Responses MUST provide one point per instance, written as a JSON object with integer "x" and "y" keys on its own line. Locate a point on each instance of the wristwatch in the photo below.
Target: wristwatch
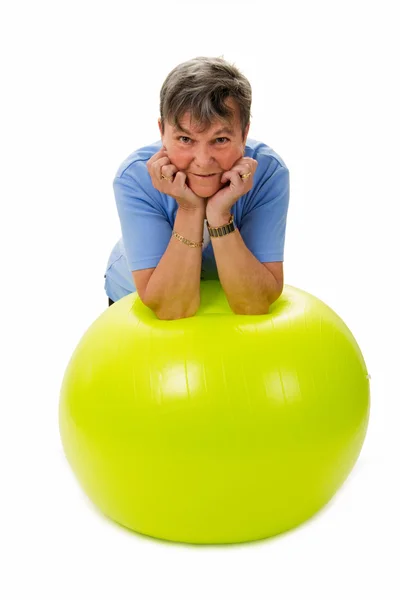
{"x": 222, "y": 230}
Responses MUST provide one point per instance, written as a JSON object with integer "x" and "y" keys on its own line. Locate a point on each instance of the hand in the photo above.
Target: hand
{"x": 218, "y": 207}
{"x": 166, "y": 178}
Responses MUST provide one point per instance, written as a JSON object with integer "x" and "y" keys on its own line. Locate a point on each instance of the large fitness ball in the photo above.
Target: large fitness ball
{"x": 218, "y": 428}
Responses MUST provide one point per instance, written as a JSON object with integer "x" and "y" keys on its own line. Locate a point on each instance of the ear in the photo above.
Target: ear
{"x": 159, "y": 126}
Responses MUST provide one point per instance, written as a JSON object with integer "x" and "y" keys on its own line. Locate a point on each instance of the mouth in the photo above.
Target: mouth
{"x": 204, "y": 176}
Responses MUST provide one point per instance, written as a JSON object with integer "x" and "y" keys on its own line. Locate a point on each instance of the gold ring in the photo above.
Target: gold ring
{"x": 245, "y": 176}
{"x": 167, "y": 178}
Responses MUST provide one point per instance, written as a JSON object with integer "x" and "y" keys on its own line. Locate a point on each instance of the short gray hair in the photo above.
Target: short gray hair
{"x": 201, "y": 86}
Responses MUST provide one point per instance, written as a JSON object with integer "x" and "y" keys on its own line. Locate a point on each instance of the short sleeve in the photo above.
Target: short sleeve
{"x": 145, "y": 227}
{"x": 263, "y": 224}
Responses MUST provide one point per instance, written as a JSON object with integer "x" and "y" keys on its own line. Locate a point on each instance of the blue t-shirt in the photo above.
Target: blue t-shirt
{"x": 147, "y": 217}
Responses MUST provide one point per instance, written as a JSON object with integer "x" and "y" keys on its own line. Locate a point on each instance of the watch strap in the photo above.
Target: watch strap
{"x": 222, "y": 230}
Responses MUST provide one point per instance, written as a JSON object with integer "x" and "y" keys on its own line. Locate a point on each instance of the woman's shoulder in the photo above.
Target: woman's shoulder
{"x": 138, "y": 159}
{"x": 262, "y": 152}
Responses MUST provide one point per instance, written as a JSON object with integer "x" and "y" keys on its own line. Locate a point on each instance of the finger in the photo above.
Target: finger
{"x": 234, "y": 177}
{"x": 155, "y": 168}
{"x": 228, "y": 175}
{"x": 160, "y": 154}
{"x": 180, "y": 187}
{"x": 180, "y": 179}
{"x": 168, "y": 170}
{"x": 244, "y": 170}
{"x": 245, "y": 164}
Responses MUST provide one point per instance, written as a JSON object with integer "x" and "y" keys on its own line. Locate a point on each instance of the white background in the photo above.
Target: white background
{"x": 80, "y": 85}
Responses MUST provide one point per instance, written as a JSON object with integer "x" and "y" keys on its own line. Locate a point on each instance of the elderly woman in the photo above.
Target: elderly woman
{"x": 204, "y": 202}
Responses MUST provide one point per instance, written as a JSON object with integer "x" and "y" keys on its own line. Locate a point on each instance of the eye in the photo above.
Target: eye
{"x": 187, "y": 140}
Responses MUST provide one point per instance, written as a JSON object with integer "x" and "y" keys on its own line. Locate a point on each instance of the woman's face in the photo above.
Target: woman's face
{"x": 205, "y": 156}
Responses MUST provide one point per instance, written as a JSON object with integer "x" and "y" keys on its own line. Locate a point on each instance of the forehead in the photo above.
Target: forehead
{"x": 218, "y": 126}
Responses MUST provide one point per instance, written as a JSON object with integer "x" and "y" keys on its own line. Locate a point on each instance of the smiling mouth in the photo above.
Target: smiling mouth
{"x": 204, "y": 176}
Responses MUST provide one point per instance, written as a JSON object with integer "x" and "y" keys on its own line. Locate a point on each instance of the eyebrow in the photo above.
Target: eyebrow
{"x": 222, "y": 130}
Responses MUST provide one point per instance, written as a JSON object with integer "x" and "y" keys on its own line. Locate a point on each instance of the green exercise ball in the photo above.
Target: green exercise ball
{"x": 218, "y": 428}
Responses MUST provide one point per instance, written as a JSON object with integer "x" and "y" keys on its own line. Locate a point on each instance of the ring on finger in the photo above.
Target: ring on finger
{"x": 167, "y": 178}
{"x": 245, "y": 175}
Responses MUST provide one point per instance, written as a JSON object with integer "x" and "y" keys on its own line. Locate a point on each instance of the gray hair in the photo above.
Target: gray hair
{"x": 201, "y": 86}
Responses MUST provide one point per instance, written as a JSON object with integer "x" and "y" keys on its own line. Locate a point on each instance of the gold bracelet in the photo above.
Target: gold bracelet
{"x": 187, "y": 242}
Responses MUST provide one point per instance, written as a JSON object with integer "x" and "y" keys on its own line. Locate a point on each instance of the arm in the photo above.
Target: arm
{"x": 166, "y": 272}
{"x": 249, "y": 286}
{"x": 173, "y": 290}
{"x": 250, "y": 262}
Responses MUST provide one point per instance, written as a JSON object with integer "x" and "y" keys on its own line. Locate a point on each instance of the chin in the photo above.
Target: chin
{"x": 204, "y": 191}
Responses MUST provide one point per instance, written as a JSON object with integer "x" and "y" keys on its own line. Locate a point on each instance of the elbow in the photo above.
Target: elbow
{"x": 251, "y": 310}
{"x": 173, "y": 314}
{"x": 259, "y": 309}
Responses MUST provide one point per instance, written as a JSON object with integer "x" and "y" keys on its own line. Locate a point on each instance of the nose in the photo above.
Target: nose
{"x": 203, "y": 157}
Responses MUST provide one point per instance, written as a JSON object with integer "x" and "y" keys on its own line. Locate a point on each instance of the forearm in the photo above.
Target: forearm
{"x": 173, "y": 290}
{"x": 248, "y": 285}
